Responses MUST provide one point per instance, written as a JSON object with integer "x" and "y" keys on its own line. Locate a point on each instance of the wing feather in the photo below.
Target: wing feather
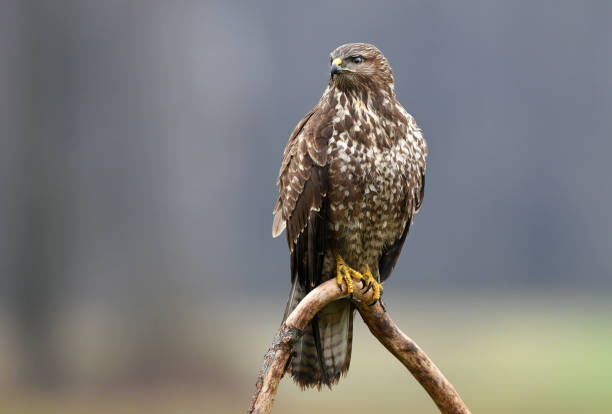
{"x": 390, "y": 254}
{"x": 301, "y": 208}
{"x": 303, "y": 177}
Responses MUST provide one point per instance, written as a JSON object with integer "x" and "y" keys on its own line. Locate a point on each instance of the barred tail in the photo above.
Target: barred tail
{"x": 324, "y": 351}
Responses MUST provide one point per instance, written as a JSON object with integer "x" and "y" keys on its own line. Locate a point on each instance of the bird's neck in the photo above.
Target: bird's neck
{"x": 370, "y": 98}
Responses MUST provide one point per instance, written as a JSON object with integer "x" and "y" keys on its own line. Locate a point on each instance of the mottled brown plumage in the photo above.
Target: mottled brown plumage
{"x": 351, "y": 178}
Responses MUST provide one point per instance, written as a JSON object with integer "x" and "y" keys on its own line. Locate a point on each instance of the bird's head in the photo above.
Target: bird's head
{"x": 358, "y": 65}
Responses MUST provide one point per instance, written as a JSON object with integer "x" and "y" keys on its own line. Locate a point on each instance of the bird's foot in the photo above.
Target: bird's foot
{"x": 346, "y": 273}
{"x": 369, "y": 282}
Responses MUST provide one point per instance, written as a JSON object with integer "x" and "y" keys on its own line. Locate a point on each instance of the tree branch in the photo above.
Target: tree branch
{"x": 382, "y": 327}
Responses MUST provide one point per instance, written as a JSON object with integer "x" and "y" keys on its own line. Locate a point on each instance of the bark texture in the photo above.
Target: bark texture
{"x": 382, "y": 327}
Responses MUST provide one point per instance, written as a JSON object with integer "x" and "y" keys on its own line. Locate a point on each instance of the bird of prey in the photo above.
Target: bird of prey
{"x": 351, "y": 179}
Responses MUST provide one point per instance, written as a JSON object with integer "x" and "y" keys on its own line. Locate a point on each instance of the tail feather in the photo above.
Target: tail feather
{"x": 323, "y": 353}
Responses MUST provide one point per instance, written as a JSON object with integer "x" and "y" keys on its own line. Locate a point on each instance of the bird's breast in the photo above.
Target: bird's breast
{"x": 367, "y": 193}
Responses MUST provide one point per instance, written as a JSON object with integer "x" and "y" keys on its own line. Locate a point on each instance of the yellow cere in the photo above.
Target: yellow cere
{"x": 337, "y": 62}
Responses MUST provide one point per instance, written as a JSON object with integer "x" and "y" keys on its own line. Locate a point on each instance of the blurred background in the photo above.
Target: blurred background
{"x": 139, "y": 147}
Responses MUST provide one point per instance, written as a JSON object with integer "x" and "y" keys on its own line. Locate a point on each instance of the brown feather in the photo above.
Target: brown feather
{"x": 351, "y": 179}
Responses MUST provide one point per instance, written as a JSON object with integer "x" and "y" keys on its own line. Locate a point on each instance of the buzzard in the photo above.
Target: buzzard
{"x": 351, "y": 179}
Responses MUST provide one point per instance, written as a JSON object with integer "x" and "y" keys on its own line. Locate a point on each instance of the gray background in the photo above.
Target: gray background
{"x": 141, "y": 140}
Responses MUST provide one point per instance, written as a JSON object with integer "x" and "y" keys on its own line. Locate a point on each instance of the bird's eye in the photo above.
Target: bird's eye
{"x": 357, "y": 59}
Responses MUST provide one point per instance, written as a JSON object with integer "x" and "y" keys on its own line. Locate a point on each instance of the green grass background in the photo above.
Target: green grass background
{"x": 517, "y": 353}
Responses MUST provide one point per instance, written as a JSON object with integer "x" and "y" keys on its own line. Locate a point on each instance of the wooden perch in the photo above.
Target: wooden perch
{"x": 382, "y": 327}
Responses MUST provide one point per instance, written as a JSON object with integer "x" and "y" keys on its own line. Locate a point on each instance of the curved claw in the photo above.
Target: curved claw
{"x": 373, "y": 303}
{"x": 344, "y": 274}
{"x": 363, "y": 281}
{"x": 369, "y": 287}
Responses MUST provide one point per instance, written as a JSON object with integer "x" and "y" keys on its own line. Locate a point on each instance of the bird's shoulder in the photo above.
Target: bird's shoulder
{"x": 412, "y": 133}
{"x": 302, "y": 178}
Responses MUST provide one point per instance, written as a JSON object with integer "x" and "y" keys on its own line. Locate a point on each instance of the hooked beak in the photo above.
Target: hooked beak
{"x": 336, "y": 67}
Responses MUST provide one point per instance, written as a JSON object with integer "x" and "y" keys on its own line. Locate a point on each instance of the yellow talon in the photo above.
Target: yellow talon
{"x": 345, "y": 273}
{"x": 369, "y": 281}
